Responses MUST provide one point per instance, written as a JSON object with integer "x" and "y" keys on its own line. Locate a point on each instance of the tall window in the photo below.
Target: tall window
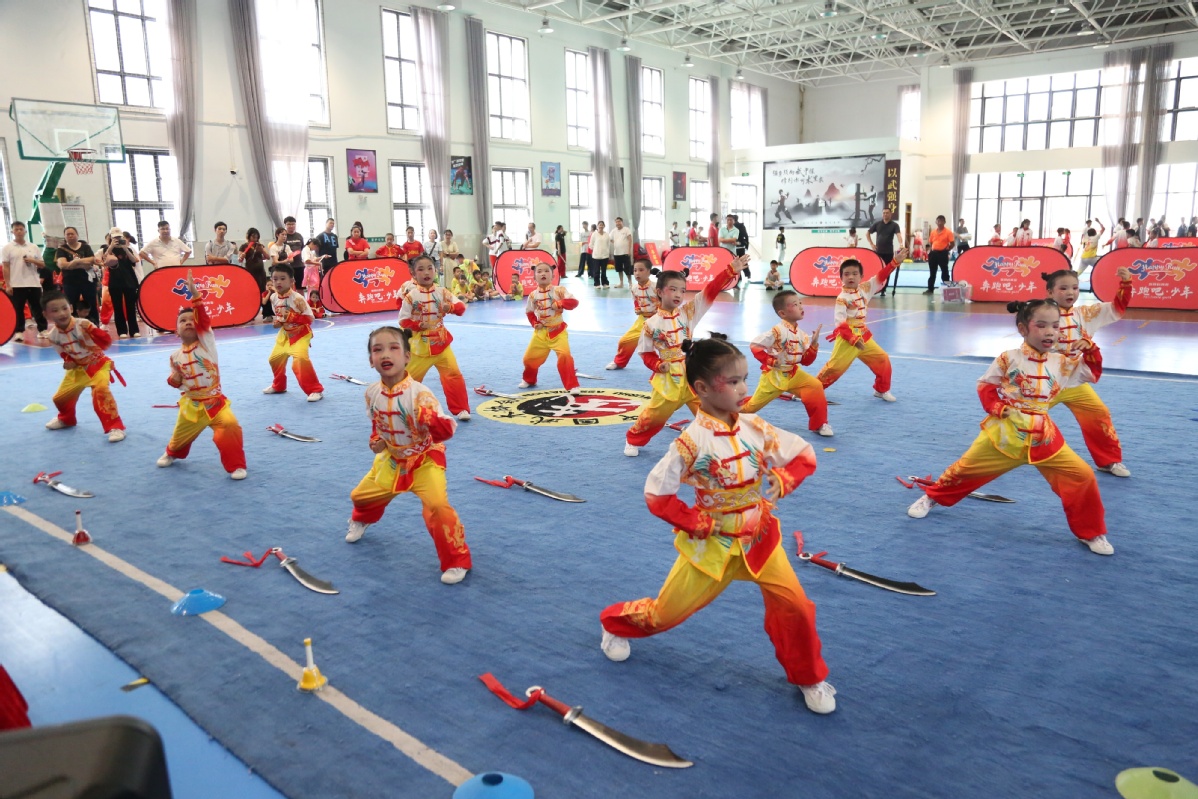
{"x": 409, "y": 199}
{"x": 744, "y": 205}
{"x": 1181, "y": 102}
{"x": 580, "y": 109}
{"x": 700, "y": 119}
{"x": 143, "y": 192}
{"x": 1045, "y": 112}
{"x": 507, "y": 86}
{"x": 653, "y": 116}
{"x": 908, "y": 123}
{"x": 399, "y": 71}
{"x": 701, "y": 206}
{"x": 1175, "y": 194}
{"x": 312, "y": 70}
{"x": 318, "y": 196}
{"x": 131, "y": 50}
{"x": 6, "y": 212}
{"x": 1052, "y": 199}
{"x": 747, "y": 111}
{"x": 653, "y": 209}
{"x": 510, "y": 198}
{"x": 582, "y": 200}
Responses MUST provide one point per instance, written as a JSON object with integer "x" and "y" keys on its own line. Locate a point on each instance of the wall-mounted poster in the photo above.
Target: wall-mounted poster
{"x": 679, "y": 186}
{"x": 825, "y": 192}
{"x": 461, "y": 175}
{"x": 551, "y": 179}
{"x": 363, "y": 171}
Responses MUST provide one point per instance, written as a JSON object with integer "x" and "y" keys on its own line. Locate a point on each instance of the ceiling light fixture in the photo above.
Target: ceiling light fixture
{"x": 880, "y": 35}
{"x": 829, "y": 9}
{"x": 446, "y": 7}
{"x": 623, "y": 48}
{"x": 740, "y": 74}
{"x": 1060, "y": 8}
{"x": 1101, "y": 46}
{"x": 545, "y": 26}
{"x": 1086, "y": 32}
{"x": 689, "y": 62}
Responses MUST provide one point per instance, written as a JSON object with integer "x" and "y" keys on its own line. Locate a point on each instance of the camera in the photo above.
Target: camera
{"x": 120, "y": 240}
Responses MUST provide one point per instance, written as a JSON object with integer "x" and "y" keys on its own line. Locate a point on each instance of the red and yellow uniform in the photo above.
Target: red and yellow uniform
{"x": 645, "y": 302}
{"x": 728, "y": 535}
{"x": 1017, "y": 391}
{"x": 388, "y": 251}
{"x": 543, "y": 307}
{"x": 851, "y": 330}
{"x": 81, "y": 347}
{"x": 422, "y": 310}
{"x": 1098, "y": 431}
{"x": 293, "y": 341}
{"x": 411, "y": 249}
{"x": 660, "y": 348}
{"x": 409, "y": 420}
{"x": 782, "y": 350}
{"x": 194, "y": 369}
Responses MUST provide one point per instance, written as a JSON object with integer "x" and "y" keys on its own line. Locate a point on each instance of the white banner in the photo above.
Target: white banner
{"x": 825, "y": 192}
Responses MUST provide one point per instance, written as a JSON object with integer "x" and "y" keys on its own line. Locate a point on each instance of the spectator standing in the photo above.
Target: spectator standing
{"x": 388, "y": 249}
{"x": 713, "y": 231}
{"x": 600, "y": 248}
{"x": 121, "y": 259}
{"x": 962, "y": 237}
{"x": 532, "y": 239}
{"x": 675, "y": 236}
{"x": 21, "y": 261}
{"x": 410, "y": 247}
{"x": 295, "y": 243}
{"x": 253, "y": 256}
{"x": 559, "y": 247}
{"x": 432, "y": 248}
{"x": 692, "y": 234}
{"x": 77, "y": 263}
{"x": 728, "y": 235}
{"x": 219, "y": 250}
{"x": 1023, "y": 235}
{"x": 166, "y": 250}
{"x": 940, "y": 241}
{"x": 886, "y": 231}
{"x": 621, "y": 251}
{"x": 278, "y": 251}
{"x": 326, "y": 243}
{"x": 742, "y": 244}
{"x": 357, "y": 248}
{"x": 584, "y": 250}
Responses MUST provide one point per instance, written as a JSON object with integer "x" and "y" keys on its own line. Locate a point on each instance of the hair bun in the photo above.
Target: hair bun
{"x": 687, "y": 344}
{"x": 1013, "y": 307}
{"x": 686, "y": 272}
{"x": 1045, "y": 275}
{"x": 654, "y": 271}
{"x": 717, "y": 336}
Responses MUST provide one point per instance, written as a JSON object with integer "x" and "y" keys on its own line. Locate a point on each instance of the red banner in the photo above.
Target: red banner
{"x": 1179, "y": 241}
{"x": 815, "y": 271}
{"x": 8, "y": 319}
{"x": 326, "y": 296}
{"x": 654, "y": 255}
{"x": 523, "y": 263}
{"x": 229, "y": 292}
{"x": 1049, "y": 243}
{"x": 1159, "y": 279}
{"x": 365, "y": 285}
{"x": 1003, "y": 274}
{"x": 705, "y": 264}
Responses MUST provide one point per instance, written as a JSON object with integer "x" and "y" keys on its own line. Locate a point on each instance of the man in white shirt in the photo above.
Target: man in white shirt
{"x": 495, "y": 243}
{"x": 220, "y": 250}
{"x": 621, "y": 251}
{"x": 532, "y": 239}
{"x": 164, "y": 250}
{"x": 21, "y": 260}
{"x": 600, "y": 244}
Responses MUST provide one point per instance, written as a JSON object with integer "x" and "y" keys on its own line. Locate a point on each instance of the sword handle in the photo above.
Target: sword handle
{"x": 561, "y": 708}
{"x": 513, "y": 481}
{"x": 818, "y": 560}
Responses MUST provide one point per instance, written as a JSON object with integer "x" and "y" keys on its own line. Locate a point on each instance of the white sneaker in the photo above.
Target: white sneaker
{"x": 115, "y": 436}
{"x": 356, "y": 531}
{"x": 272, "y": 390}
{"x": 237, "y": 474}
{"x": 920, "y": 507}
{"x": 1117, "y": 469}
{"x": 615, "y": 647}
{"x": 574, "y": 392}
{"x": 123, "y": 335}
{"x": 884, "y": 395}
{"x": 611, "y": 367}
{"x": 315, "y": 396}
{"x": 453, "y": 576}
{"x": 44, "y": 334}
{"x": 825, "y": 430}
{"x": 820, "y": 698}
{"x": 165, "y": 461}
{"x": 1099, "y": 545}
{"x": 631, "y": 451}
{"x": 55, "y": 424}
{"x": 137, "y": 335}
{"x": 464, "y": 416}
{"x": 525, "y": 384}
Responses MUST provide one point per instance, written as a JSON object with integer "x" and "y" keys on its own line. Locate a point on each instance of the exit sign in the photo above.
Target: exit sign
{"x": 744, "y": 174}
{"x": 830, "y": 230}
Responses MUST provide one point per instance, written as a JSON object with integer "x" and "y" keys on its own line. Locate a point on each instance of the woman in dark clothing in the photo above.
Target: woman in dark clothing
{"x": 121, "y": 259}
{"x": 252, "y": 257}
{"x": 559, "y": 243}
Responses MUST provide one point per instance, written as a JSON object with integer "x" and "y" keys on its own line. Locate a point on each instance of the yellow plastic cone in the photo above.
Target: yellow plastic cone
{"x": 311, "y": 679}
{"x": 1154, "y": 783}
{"x": 33, "y": 408}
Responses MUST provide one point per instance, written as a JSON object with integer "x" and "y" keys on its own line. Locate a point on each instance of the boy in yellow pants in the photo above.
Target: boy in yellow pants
{"x": 293, "y": 316}
{"x": 782, "y": 350}
{"x": 544, "y": 307}
{"x": 422, "y": 310}
{"x": 81, "y": 346}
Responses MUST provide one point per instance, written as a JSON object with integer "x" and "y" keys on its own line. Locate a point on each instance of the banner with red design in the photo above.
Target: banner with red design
{"x": 1003, "y": 274}
{"x": 1178, "y": 241}
{"x": 8, "y": 318}
{"x": 653, "y": 254}
{"x": 705, "y": 264}
{"x": 815, "y": 271}
{"x": 1159, "y": 278}
{"x": 366, "y": 285}
{"x": 522, "y": 263}
{"x": 326, "y": 296}
{"x": 1049, "y": 243}
{"x": 229, "y": 292}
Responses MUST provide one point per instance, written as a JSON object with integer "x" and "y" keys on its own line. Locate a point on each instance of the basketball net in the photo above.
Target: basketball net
{"x": 81, "y": 158}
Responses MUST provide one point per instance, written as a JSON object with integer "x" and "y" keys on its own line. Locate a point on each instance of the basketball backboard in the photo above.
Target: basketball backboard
{"x": 46, "y": 131}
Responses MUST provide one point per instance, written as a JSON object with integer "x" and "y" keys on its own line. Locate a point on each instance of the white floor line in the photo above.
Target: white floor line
{"x": 418, "y": 752}
{"x": 1105, "y": 376}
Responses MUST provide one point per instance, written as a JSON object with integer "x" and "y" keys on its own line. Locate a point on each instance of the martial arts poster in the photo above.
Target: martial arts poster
{"x": 367, "y": 286}
{"x": 229, "y": 292}
{"x": 825, "y": 192}
{"x": 705, "y": 264}
{"x": 522, "y": 263}
{"x": 461, "y": 175}
{"x": 679, "y": 187}
{"x": 8, "y": 318}
{"x": 1003, "y": 274}
{"x": 815, "y": 271}
{"x": 551, "y": 179}
{"x": 1159, "y": 278}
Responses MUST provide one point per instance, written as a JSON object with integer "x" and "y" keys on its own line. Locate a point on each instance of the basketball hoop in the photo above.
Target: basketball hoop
{"x": 81, "y": 157}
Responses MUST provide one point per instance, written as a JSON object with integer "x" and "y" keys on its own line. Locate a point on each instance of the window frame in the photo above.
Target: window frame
{"x": 1016, "y": 109}
{"x": 7, "y": 212}
{"x": 998, "y": 184}
{"x": 499, "y": 210}
{"x": 422, "y": 209}
{"x": 578, "y": 99}
{"x": 699, "y": 118}
{"x": 650, "y": 212}
{"x": 159, "y": 87}
{"x": 1173, "y": 110}
{"x": 404, "y": 91}
{"x": 316, "y": 224}
{"x": 322, "y": 71}
{"x": 755, "y": 134}
{"x": 653, "y": 111}
{"x": 576, "y": 210}
{"x": 498, "y": 80}
{"x": 904, "y": 120}
{"x": 694, "y": 208}
{"x": 745, "y": 212}
{"x": 138, "y": 205}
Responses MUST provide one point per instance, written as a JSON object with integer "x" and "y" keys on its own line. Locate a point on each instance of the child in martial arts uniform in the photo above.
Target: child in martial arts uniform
{"x": 645, "y": 303}
{"x": 661, "y": 350}
{"x": 195, "y": 370}
{"x": 407, "y": 431}
{"x": 543, "y": 307}
{"x": 783, "y": 350}
{"x": 1017, "y": 391}
{"x": 293, "y": 317}
{"x": 81, "y": 346}
{"x": 739, "y": 466}
{"x": 853, "y": 339}
{"x": 1079, "y": 324}
{"x": 422, "y": 309}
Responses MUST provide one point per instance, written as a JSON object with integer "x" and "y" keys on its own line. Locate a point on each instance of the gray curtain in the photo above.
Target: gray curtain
{"x": 480, "y": 124}
{"x": 636, "y": 164}
{"x": 182, "y": 119}
{"x": 1156, "y": 74}
{"x": 432, "y": 31}
{"x": 278, "y": 142}
{"x": 1120, "y": 82}
{"x": 713, "y": 170}
{"x": 962, "y": 83}
{"x": 609, "y": 184}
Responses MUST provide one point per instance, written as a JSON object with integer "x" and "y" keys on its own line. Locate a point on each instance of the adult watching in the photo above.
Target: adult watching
{"x": 124, "y": 281}
{"x": 219, "y": 250}
{"x": 166, "y": 250}
{"x": 77, "y": 262}
{"x": 886, "y": 231}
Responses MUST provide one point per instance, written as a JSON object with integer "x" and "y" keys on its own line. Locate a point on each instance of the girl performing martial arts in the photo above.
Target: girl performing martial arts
{"x": 544, "y": 307}
{"x": 645, "y": 303}
{"x": 739, "y": 466}
{"x": 423, "y": 307}
{"x": 783, "y": 350}
{"x": 1016, "y": 392}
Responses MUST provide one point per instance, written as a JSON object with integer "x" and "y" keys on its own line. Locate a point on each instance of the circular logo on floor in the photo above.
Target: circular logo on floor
{"x": 559, "y": 409}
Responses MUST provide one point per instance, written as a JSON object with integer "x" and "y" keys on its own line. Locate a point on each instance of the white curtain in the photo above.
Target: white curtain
{"x": 636, "y": 165}
{"x": 713, "y": 170}
{"x": 182, "y": 114}
{"x": 480, "y": 121}
{"x": 609, "y": 184}
{"x": 1121, "y": 79}
{"x": 1156, "y": 83}
{"x": 432, "y": 30}
{"x": 962, "y": 84}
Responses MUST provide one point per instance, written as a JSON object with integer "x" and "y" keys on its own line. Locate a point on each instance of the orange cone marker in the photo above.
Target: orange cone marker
{"x": 311, "y": 680}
